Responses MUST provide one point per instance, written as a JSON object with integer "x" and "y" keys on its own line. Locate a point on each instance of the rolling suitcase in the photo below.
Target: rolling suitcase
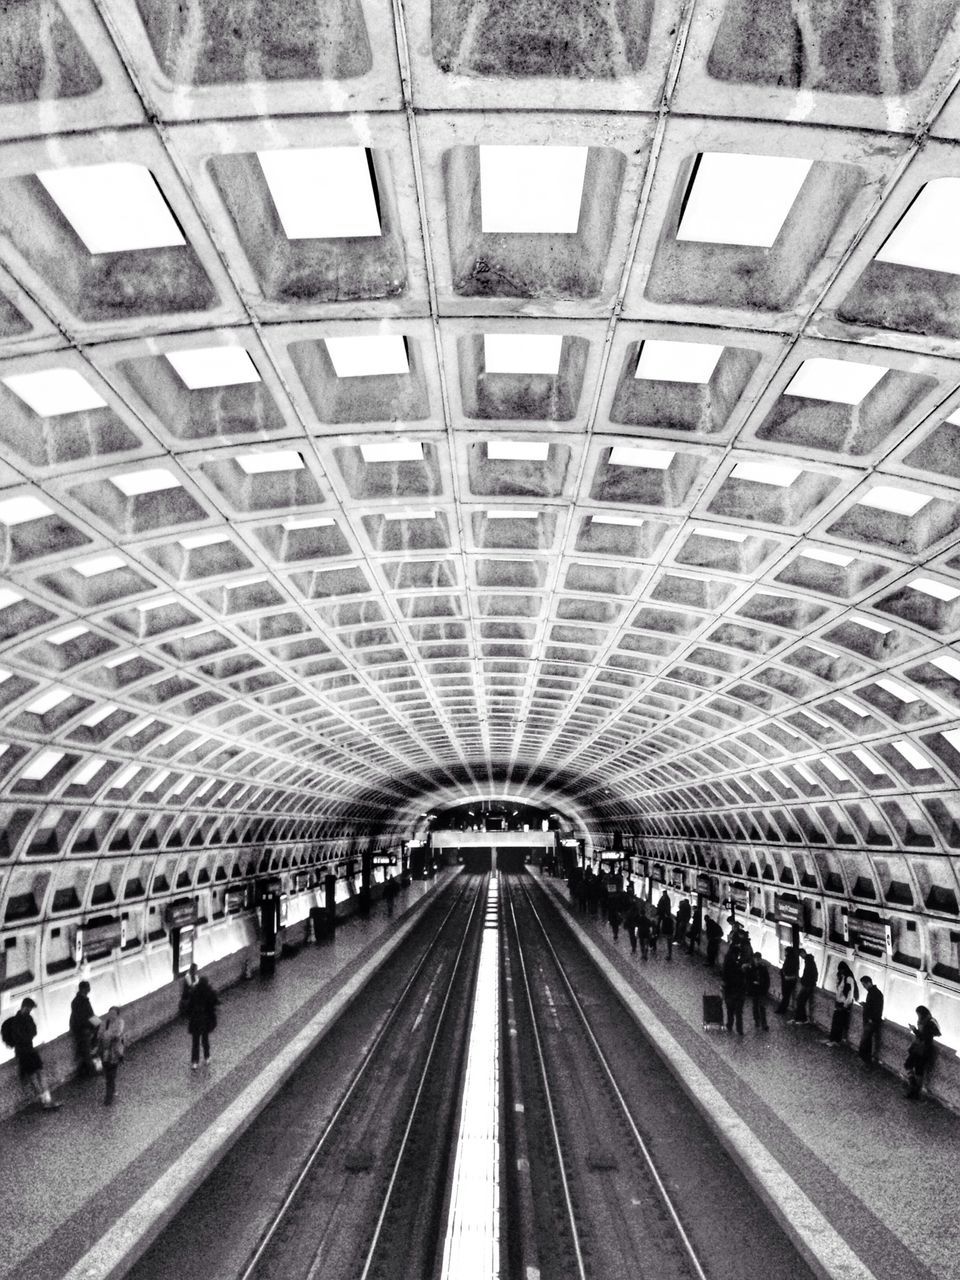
{"x": 712, "y": 1012}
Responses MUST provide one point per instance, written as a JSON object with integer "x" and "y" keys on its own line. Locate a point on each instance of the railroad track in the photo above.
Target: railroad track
{"x": 600, "y": 1206}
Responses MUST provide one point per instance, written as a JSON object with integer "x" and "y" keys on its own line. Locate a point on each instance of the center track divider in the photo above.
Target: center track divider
{"x": 667, "y": 1202}
{"x": 262, "y": 1249}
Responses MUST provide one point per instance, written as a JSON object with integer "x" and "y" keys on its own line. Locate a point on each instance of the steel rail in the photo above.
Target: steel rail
{"x": 281, "y": 1213}
{"x": 545, "y": 1079}
{"x": 411, "y": 1118}
{"x": 611, "y": 1079}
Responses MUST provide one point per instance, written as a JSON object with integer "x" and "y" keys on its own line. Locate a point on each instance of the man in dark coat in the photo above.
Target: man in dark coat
{"x": 83, "y": 1028}
{"x": 696, "y": 929}
{"x": 808, "y": 985}
{"x": 714, "y": 938}
{"x": 734, "y": 986}
{"x": 22, "y": 1032}
{"x": 789, "y": 973}
{"x": 682, "y": 921}
{"x": 200, "y": 1006}
{"x": 872, "y": 1021}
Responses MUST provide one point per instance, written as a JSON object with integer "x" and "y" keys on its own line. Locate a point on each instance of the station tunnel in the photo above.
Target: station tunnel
{"x": 474, "y": 443}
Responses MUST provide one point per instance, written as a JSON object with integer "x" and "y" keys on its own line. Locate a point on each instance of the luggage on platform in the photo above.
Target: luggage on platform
{"x": 712, "y": 1012}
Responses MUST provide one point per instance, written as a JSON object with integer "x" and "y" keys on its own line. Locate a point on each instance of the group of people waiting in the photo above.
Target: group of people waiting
{"x": 744, "y": 974}
{"x": 100, "y": 1043}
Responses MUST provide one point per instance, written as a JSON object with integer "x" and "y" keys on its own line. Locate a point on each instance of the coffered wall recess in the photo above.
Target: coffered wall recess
{"x": 398, "y": 403}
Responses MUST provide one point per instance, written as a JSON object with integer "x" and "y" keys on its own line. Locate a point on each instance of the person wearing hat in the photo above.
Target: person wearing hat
{"x": 20, "y": 1032}
{"x": 83, "y": 1027}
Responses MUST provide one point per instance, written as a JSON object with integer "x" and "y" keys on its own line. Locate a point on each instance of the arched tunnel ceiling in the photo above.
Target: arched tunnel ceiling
{"x": 647, "y": 577}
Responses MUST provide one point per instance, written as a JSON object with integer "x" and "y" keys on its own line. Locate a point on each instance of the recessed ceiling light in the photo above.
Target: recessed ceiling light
{"x": 721, "y": 535}
{"x": 827, "y": 557}
{"x": 157, "y": 602}
{"x": 522, "y": 353}
{"x": 531, "y": 189}
{"x": 87, "y": 771}
{"x": 926, "y": 235}
{"x": 948, "y": 664}
{"x": 829, "y": 763}
{"x": 51, "y": 392}
{"x": 113, "y": 208}
{"x": 213, "y": 367}
{"x": 158, "y": 779}
{"x": 154, "y": 480}
{"x": 851, "y": 706}
{"x": 902, "y": 502}
{"x": 871, "y": 624}
{"x": 953, "y": 737}
{"x": 99, "y": 715}
{"x": 22, "y": 510}
{"x": 930, "y": 587}
{"x": 41, "y": 765}
{"x": 613, "y": 518}
{"x": 779, "y": 474}
{"x": 738, "y": 199}
{"x": 414, "y": 514}
{"x": 867, "y": 760}
{"x": 955, "y": 418}
{"x": 517, "y": 451}
{"x": 839, "y": 381}
{"x": 805, "y": 773}
{"x": 51, "y": 698}
{"x": 368, "y": 355}
{"x": 118, "y": 660}
{"x": 98, "y": 564}
{"x": 68, "y": 634}
{"x": 910, "y": 753}
{"x": 308, "y": 522}
{"x": 393, "y": 451}
{"x": 662, "y": 361}
{"x": 322, "y": 193}
{"x": 257, "y": 464}
{"x": 196, "y": 540}
{"x": 899, "y": 691}
{"x": 124, "y": 777}
{"x": 623, "y": 455}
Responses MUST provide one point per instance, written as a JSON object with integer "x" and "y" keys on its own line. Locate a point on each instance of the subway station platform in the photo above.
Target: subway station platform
{"x": 863, "y": 1179}
{"x": 85, "y": 1187}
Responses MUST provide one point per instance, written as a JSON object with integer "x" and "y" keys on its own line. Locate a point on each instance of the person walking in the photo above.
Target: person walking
{"x": 758, "y": 988}
{"x": 113, "y": 1046}
{"x": 682, "y": 922}
{"x": 18, "y": 1033}
{"x": 390, "y": 894}
{"x": 734, "y": 987}
{"x": 808, "y": 985}
{"x": 714, "y": 938}
{"x": 631, "y": 921}
{"x": 872, "y": 1021}
{"x": 920, "y": 1055}
{"x": 695, "y": 930}
{"x": 846, "y": 993}
{"x": 644, "y": 930}
{"x": 83, "y": 1028}
{"x": 667, "y": 930}
{"x": 201, "y": 1011}
{"x": 789, "y": 975}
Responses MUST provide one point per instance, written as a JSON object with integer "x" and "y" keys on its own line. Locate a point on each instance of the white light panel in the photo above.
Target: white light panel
{"x": 68, "y": 634}
{"x": 49, "y": 699}
{"x": 721, "y": 535}
{"x": 308, "y": 522}
{"x": 870, "y": 623}
{"x": 738, "y": 199}
{"x": 531, "y": 189}
{"x": 157, "y": 602}
{"x": 22, "y": 510}
{"x": 851, "y": 706}
{"x": 517, "y": 451}
{"x": 926, "y": 235}
{"x": 830, "y": 764}
{"x": 392, "y": 451}
{"x": 948, "y": 664}
{"x": 204, "y": 367}
{"x": 930, "y": 587}
{"x": 322, "y": 193}
{"x": 897, "y": 690}
{"x": 96, "y": 565}
{"x": 953, "y": 737}
{"x": 196, "y": 540}
{"x": 125, "y": 776}
{"x": 779, "y": 474}
{"x": 155, "y": 479}
{"x": 662, "y": 361}
{"x": 417, "y": 513}
{"x": 868, "y": 762}
{"x": 258, "y": 464}
{"x": 52, "y": 392}
{"x": 87, "y": 771}
{"x": 41, "y": 765}
{"x": 839, "y": 381}
{"x": 99, "y": 715}
{"x": 901, "y": 502}
{"x": 113, "y": 208}
{"x": 522, "y": 353}
{"x": 8, "y": 597}
{"x": 613, "y": 518}
{"x": 826, "y": 557}
{"x": 512, "y": 513}
{"x": 624, "y": 455}
{"x": 910, "y": 753}
{"x": 806, "y": 774}
{"x": 368, "y": 355}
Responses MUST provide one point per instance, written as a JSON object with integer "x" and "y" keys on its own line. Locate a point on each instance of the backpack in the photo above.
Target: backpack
{"x": 8, "y": 1031}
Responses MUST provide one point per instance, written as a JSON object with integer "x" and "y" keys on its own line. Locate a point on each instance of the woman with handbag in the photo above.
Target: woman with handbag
{"x": 112, "y": 1045}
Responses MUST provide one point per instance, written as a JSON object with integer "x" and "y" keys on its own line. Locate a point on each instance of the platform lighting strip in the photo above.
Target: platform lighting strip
{"x": 471, "y": 1249}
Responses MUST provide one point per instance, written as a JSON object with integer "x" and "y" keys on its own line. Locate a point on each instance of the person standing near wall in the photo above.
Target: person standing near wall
{"x": 872, "y": 1021}
{"x": 789, "y": 974}
{"x": 112, "y": 1045}
{"x": 201, "y": 1010}
{"x": 83, "y": 1028}
{"x": 847, "y": 992}
{"x": 19, "y": 1032}
{"x": 808, "y": 985}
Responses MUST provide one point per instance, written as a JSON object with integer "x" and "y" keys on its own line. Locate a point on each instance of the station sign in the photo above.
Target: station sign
{"x": 738, "y": 896}
{"x": 789, "y": 909}
{"x": 99, "y": 939}
{"x": 870, "y": 934}
{"x": 678, "y": 878}
{"x": 704, "y": 884}
{"x": 181, "y": 912}
{"x": 235, "y": 900}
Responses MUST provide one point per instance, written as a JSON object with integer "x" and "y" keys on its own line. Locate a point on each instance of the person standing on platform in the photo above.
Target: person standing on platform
{"x": 630, "y": 921}
{"x": 613, "y": 913}
{"x": 682, "y": 922}
{"x": 83, "y": 1028}
{"x": 113, "y": 1045}
{"x": 201, "y": 1011}
{"x": 390, "y": 894}
{"x": 667, "y": 930}
{"x": 808, "y": 985}
{"x": 714, "y": 938}
{"x": 758, "y": 988}
{"x": 920, "y": 1055}
{"x": 644, "y": 929}
{"x": 734, "y": 987}
{"x": 789, "y": 974}
{"x": 847, "y": 992}
{"x": 19, "y": 1032}
{"x": 872, "y": 1021}
{"x": 696, "y": 929}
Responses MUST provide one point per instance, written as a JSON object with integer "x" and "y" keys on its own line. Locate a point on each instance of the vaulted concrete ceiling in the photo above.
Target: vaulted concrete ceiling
{"x": 697, "y": 578}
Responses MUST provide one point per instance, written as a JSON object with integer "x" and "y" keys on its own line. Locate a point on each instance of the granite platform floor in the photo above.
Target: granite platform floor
{"x": 67, "y": 1178}
{"x": 880, "y": 1169}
